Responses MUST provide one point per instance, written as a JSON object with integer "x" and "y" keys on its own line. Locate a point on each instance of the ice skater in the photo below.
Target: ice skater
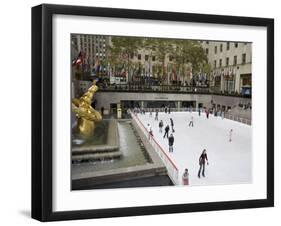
{"x": 185, "y": 177}
{"x": 167, "y": 128}
{"x": 171, "y": 142}
{"x": 222, "y": 115}
{"x": 161, "y": 126}
{"x": 207, "y": 114}
{"x": 150, "y": 113}
{"x": 150, "y": 133}
{"x": 191, "y": 121}
{"x": 202, "y": 161}
{"x": 230, "y": 135}
{"x": 199, "y": 111}
{"x": 156, "y": 115}
{"x": 148, "y": 128}
{"x": 172, "y": 125}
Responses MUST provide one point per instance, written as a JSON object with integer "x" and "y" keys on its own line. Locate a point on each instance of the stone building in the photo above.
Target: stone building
{"x": 231, "y": 64}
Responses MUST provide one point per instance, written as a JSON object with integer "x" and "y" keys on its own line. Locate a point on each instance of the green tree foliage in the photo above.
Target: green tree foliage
{"x": 186, "y": 54}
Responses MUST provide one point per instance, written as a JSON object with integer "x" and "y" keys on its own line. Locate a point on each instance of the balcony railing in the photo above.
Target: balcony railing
{"x": 168, "y": 89}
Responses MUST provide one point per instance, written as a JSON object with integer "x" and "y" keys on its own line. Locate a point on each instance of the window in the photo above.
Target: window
{"x": 146, "y": 57}
{"x": 216, "y": 49}
{"x": 153, "y": 58}
{"x": 220, "y": 62}
{"x": 243, "y": 58}
{"x": 236, "y": 44}
{"x": 227, "y": 61}
{"x": 220, "y": 47}
{"x": 207, "y": 42}
{"x": 215, "y": 63}
{"x": 131, "y": 55}
{"x": 207, "y": 51}
{"x": 235, "y": 60}
{"x": 139, "y": 56}
{"x": 227, "y": 46}
{"x": 170, "y": 58}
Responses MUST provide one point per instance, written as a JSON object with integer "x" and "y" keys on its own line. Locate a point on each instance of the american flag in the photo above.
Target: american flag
{"x": 78, "y": 60}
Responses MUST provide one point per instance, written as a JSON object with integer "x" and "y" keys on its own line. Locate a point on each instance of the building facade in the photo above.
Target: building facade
{"x": 94, "y": 46}
{"x": 231, "y": 64}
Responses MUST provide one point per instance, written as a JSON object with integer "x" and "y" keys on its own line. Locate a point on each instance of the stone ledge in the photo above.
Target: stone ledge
{"x": 97, "y": 156}
{"x": 109, "y": 150}
{"x": 89, "y": 179}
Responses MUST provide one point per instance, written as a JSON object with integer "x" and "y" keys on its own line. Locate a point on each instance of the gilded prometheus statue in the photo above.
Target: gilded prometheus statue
{"x": 86, "y": 115}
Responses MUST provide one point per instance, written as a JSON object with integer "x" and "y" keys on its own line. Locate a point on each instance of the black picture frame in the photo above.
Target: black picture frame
{"x": 42, "y": 107}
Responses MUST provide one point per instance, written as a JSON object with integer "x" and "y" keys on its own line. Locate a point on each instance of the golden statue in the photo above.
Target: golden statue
{"x": 86, "y": 115}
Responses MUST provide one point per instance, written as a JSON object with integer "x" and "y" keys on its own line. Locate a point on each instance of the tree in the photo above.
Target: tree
{"x": 161, "y": 48}
{"x": 121, "y": 51}
{"x": 189, "y": 53}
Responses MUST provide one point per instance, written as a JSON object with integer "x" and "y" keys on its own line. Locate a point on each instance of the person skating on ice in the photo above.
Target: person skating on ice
{"x": 161, "y": 126}
{"x": 150, "y": 133}
{"x": 171, "y": 140}
{"x": 185, "y": 177}
{"x": 156, "y": 115}
{"x": 172, "y": 125}
{"x": 150, "y": 113}
{"x": 191, "y": 121}
{"x": 148, "y": 128}
{"x": 230, "y": 135}
{"x": 202, "y": 161}
{"x": 207, "y": 113}
{"x": 222, "y": 115}
{"x": 167, "y": 128}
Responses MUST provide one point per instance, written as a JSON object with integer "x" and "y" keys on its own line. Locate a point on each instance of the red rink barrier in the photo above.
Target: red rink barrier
{"x": 168, "y": 162}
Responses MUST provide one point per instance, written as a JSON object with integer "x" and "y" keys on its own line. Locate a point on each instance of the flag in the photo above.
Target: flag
{"x": 78, "y": 60}
{"x": 97, "y": 65}
{"x": 174, "y": 78}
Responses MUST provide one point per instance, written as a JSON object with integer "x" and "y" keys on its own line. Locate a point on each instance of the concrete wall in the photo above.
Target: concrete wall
{"x": 230, "y": 101}
{"x": 106, "y": 98}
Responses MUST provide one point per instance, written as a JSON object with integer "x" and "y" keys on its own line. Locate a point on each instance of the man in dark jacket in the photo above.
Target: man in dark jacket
{"x": 167, "y": 128}
{"x": 202, "y": 161}
{"x": 161, "y": 126}
{"x": 172, "y": 125}
{"x": 171, "y": 142}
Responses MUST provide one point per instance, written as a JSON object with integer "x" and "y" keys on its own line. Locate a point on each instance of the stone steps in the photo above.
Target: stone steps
{"x": 94, "y": 149}
{"x": 97, "y": 156}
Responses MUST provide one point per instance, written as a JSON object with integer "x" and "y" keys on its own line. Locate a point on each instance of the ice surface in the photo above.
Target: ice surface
{"x": 229, "y": 162}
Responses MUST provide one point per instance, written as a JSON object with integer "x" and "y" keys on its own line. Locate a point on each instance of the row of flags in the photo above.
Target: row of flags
{"x": 83, "y": 61}
{"x": 226, "y": 72}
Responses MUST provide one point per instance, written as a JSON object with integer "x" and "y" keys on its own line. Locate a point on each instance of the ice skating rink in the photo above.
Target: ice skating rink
{"x": 229, "y": 162}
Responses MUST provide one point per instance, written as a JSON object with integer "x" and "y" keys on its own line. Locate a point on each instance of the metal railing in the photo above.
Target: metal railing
{"x": 171, "y": 167}
{"x": 238, "y": 119}
{"x": 226, "y": 115}
{"x": 167, "y": 89}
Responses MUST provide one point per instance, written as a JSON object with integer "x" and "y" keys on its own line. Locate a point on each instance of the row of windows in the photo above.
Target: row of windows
{"x": 146, "y": 57}
{"x": 227, "y": 46}
{"x": 227, "y": 61}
